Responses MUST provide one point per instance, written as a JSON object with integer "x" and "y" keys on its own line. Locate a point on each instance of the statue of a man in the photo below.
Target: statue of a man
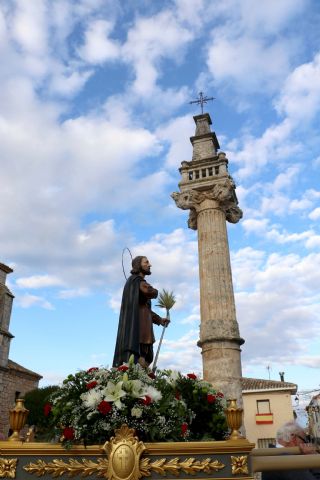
{"x": 135, "y": 330}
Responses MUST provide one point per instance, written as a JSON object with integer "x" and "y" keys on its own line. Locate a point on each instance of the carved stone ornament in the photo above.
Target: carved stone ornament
{"x": 193, "y": 219}
{"x": 239, "y": 465}
{"x": 188, "y": 199}
{"x": 222, "y": 191}
{"x": 124, "y": 452}
{"x": 233, "y": 214}
{"x": 8, "y": 467}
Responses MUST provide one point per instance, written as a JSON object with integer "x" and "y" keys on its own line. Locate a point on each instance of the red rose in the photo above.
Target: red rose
{"x": 92, "y": 369}
{"x": 177, "y": 395}
{"x": 47, "y": 409}
{"x": 184, "y": 428}
{"x": 151, "y": 375}
{"x": 220, "y": 395}
{"x": 104, "y": 407}
{"x": 211, "y": 398}
{"x": 146, "y": 400}
{"x": 192, "y": 376}
{"x": 68, "y": 433}
{"x": 91, "y": 385}
{"x": 123, "y": 368}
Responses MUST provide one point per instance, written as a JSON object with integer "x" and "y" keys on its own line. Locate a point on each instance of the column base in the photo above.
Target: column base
{"x": 221, "y": 358}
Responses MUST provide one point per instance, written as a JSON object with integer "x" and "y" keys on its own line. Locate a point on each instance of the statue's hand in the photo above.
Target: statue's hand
{"x": 165, "y": 322}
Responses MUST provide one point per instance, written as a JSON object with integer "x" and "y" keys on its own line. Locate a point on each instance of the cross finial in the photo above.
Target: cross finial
{"x": 202, "y": 100}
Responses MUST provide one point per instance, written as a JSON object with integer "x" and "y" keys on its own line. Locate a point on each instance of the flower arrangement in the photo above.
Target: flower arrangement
{"x": 166, "y": 406}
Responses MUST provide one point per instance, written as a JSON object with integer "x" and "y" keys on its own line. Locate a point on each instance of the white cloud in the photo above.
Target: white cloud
{"x": 74, "y": 293}
{"x": 150, "y": 40}
{"x": 276, "y": 293}
{"x": 247, "y": 63}
{"x": 313, "y": 241}
{"x": 315, "y": 214}
{"x": 300, "y": 97}
{"x": 68, "y": 81}
{"x": 181, "y": 354}
{"x": 176, "y": 132}
{"x": 27, "y": 301}
{"x": 274, "y": 144}
{"x": 29, "y": 26}
{"x": 98, "y": 47}
{"x": 255, "y": 225}
{"x": 39, "y": 281}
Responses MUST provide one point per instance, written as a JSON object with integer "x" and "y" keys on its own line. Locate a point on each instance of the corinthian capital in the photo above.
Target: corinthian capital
{"x": 233, "y": 213}
{"x": 188, "y": 199}
{"x": 222, "y": 191}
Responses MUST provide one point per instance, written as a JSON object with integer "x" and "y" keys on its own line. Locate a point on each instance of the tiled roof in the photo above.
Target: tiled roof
{"x": 262, "y": 384}
{"x": 5, "y": 268}
{"x": 19, "y": 368}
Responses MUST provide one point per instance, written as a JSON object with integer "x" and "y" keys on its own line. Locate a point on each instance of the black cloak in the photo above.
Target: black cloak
{"x": 128, "y": 337}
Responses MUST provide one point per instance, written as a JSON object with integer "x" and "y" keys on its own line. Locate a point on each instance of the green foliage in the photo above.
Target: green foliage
{"x": 35, "y": 401}
{"x": 166, "y": 300}
{"x": 209, "y": 420}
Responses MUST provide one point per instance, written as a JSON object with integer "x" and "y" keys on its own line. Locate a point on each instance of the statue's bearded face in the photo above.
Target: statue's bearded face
{"x": 145, "y": 266}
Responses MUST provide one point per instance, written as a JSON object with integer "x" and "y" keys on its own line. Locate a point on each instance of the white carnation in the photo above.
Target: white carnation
{"x": 91, "y": 399}
{"x": 136, "y": 412}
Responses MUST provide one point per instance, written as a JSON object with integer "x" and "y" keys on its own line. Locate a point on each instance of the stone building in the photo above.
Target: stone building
{"x": 15, "y": 380}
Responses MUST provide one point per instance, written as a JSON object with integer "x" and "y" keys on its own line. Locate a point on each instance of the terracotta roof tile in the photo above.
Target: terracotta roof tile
{"x": 262, "y": 384}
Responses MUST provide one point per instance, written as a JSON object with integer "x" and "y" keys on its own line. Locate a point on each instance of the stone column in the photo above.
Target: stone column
{"x": 219, "y": 333}
{"x": 211, "y": 201}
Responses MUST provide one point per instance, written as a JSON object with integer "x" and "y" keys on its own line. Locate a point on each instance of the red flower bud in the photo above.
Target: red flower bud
{"x": 146, "y": 400}
{"x": 123, "y": 368}
{"x": 104, "y": 407}
{"x": 151, "y": 375}
{"x": 192, "y": 376}
{"x": 220, "y": 395}
{"x": 91, "y": 385}
{"x": 47, "y": 409}
{"x": 184, "y": 428}
{"x": 68, "y": 433}
{"x": 92, "y": 369}
{"x": 211, "y": 398}
{"x": 177, "y": 395}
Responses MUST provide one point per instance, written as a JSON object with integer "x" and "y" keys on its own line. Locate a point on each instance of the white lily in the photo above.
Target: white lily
{"x": 134, "y": 388}
{"x": 173, "y": 377}
{"x": 113, "y": 393}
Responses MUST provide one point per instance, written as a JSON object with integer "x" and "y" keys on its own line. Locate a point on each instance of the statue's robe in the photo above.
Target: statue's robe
{"x": 135, "y": 320}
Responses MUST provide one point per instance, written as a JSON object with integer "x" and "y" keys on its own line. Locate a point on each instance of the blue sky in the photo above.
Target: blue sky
{"x": 95, "y": 121}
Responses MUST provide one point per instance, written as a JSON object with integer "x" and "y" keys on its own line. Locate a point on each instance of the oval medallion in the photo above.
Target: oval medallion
{"x": 123, "y": 461}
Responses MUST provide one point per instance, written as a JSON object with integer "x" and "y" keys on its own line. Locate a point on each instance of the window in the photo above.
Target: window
{"x": 266, "y": 442}
{"x": 263, "y": 406}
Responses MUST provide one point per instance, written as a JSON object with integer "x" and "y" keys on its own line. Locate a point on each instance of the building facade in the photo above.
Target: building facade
{"x": 15, "y": 380}
{"x": 267, "y": 405}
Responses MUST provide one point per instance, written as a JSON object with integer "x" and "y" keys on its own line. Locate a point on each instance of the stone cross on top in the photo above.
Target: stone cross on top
{"x": 202, "y": 100}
